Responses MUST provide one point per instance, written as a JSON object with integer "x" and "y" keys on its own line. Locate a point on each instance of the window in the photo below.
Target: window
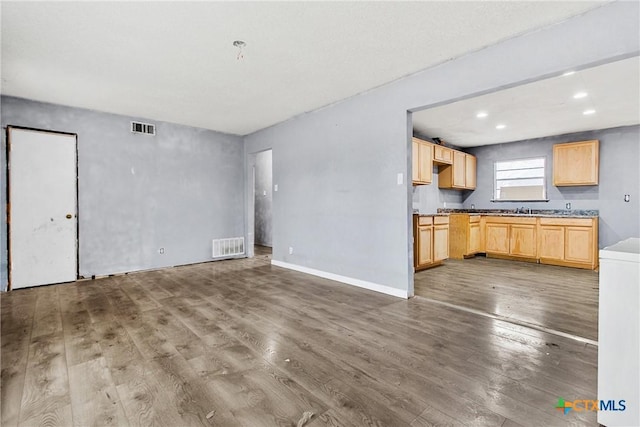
{"x": 520, "y": 180}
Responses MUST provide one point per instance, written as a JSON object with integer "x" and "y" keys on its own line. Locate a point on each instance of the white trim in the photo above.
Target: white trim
{"x": 348, "y": 280}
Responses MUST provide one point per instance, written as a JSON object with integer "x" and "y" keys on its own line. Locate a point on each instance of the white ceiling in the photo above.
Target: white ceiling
{"x": 543, "y": 108}
{"x": 174, "y": 61}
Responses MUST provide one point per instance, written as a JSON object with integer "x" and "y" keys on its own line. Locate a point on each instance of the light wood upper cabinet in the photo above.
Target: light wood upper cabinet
{"x": 576, "y": 163}
{"x": 422, "y": 162}
{"x": 470, "y": 171}
{"x": 461, "y": 174}
{"x": 442, "y": 155}
{"x": 458, "y": 170}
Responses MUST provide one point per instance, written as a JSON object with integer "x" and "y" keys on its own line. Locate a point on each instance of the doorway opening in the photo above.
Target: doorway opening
{"x": 263, "y": 203}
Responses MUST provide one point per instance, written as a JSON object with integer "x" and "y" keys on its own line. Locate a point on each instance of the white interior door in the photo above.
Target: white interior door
{"x": 43, "y": 241}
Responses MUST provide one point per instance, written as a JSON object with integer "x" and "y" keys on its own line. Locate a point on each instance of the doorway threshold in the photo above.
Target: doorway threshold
{"x": 512, "y": 321}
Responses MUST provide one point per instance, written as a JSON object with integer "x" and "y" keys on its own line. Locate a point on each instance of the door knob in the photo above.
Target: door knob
{"x": 69, "y": 216}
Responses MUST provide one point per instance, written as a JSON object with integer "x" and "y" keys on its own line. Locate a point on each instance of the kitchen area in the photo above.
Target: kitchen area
{"x": 515, "y": 193}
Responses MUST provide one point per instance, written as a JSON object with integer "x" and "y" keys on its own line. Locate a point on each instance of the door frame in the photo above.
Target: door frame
{"x": 8, "y": 195}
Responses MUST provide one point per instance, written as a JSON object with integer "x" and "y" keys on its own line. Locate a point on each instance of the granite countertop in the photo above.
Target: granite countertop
{"x": 548, "y": 213}
{"x": 432, "y": 214}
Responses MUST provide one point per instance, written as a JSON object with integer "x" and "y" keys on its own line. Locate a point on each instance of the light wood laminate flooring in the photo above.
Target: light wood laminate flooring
{"x": 245, "y": 343}
{"x": 559, "y": 298}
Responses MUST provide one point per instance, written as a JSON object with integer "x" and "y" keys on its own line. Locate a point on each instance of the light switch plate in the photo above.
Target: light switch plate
{"x": 275, "y": 187}
{"x": 400, "y": 178}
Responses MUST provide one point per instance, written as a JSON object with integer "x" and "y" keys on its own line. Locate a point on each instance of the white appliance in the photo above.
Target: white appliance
{"x": 619, "y": 332}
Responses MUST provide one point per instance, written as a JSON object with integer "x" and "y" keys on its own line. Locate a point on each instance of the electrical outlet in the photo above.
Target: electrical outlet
{"x": 400, "y": 178}
{"x": 568, "y": 205}
{"x": 161, "y": 251}
{"x": 275, "y": 187}
{"x": 290, "y": 250}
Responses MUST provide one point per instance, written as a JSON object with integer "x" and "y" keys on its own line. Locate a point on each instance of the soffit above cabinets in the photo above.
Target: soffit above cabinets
{"x": 543, "y": 108}
{"x": 177, "y": 62}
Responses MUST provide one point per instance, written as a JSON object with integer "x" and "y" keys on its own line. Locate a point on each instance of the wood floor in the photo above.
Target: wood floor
{"x": 560, "y": 298}
{"x": 245, "y": 343}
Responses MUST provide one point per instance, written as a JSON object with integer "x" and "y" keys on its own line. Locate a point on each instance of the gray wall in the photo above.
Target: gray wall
{"x": 137, "y": 193}
{"x": 428, "y": 198}
{"x": 263, "y": 198}
{"x": 339, "y": 204}
{"x": 619, "y": 175}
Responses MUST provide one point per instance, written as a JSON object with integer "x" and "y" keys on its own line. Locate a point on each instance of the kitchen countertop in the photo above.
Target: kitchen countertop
{"x": 543, "y": 213}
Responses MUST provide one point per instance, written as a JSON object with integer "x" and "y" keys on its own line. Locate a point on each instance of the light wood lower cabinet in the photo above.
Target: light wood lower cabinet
{"x": 571, "y": 242}
{"x": 522, "y": 240}
{"x": 425, "y": 243}
{"x": 464, "y": 235}
{"x": 511, "y": 236}
{"x": 431, "y": 241}
{"x": 497, "y": 238}
{"x": 440, "y": 241}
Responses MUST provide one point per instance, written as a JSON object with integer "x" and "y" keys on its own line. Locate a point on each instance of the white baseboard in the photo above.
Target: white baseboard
{"x": 348, "y": 280}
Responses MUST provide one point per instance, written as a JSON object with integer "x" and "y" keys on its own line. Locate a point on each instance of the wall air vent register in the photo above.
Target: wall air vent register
{"x": 144, "y": 128}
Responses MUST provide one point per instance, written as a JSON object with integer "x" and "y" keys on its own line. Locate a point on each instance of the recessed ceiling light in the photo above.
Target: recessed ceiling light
{"x": 481, "y": 115}
{"x": 568, "y": 73}
{"x": 580, "y": 95}
{"x": 588, "y": 112}
{"x": 501, "y": 126}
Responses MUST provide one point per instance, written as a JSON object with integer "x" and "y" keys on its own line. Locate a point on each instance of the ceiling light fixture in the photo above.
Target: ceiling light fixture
{"x": 588, "y": 112}
{"x": 501, "y": 126}
{"x": 240, "y": 45}
{"x": 482, "y": 115}
{"x": 580, "y": 95}
{"x": 568, "y": 73}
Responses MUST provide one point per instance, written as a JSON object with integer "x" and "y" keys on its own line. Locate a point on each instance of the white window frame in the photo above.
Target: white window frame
{"x": 543, "y": 177}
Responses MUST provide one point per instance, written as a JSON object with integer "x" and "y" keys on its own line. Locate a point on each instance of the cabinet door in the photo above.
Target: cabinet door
{"x": 459, "y": 167}
{"x": 470, "y": 171}
{"x": 576, "y": 163}
{"x": 426, "y": 163}
{"x": 440, "y": 242}
{"x": 425, "y": 239}
{"x": 442, "y": 155}
{"x": 551, "y": 242}
{"x": 579, "y": 244}
{"x": 474, "y": 238}
{"x": 415, "y": 168}
{"x": 497, "y": 238}
{"x": 522, "y": 241}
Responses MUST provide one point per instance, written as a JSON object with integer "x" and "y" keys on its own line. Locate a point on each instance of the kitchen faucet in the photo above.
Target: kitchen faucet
{"x": 524, "y": 210}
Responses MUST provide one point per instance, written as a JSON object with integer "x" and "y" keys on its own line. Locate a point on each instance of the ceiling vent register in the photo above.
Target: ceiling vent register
{"x": 144, "y": 128}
